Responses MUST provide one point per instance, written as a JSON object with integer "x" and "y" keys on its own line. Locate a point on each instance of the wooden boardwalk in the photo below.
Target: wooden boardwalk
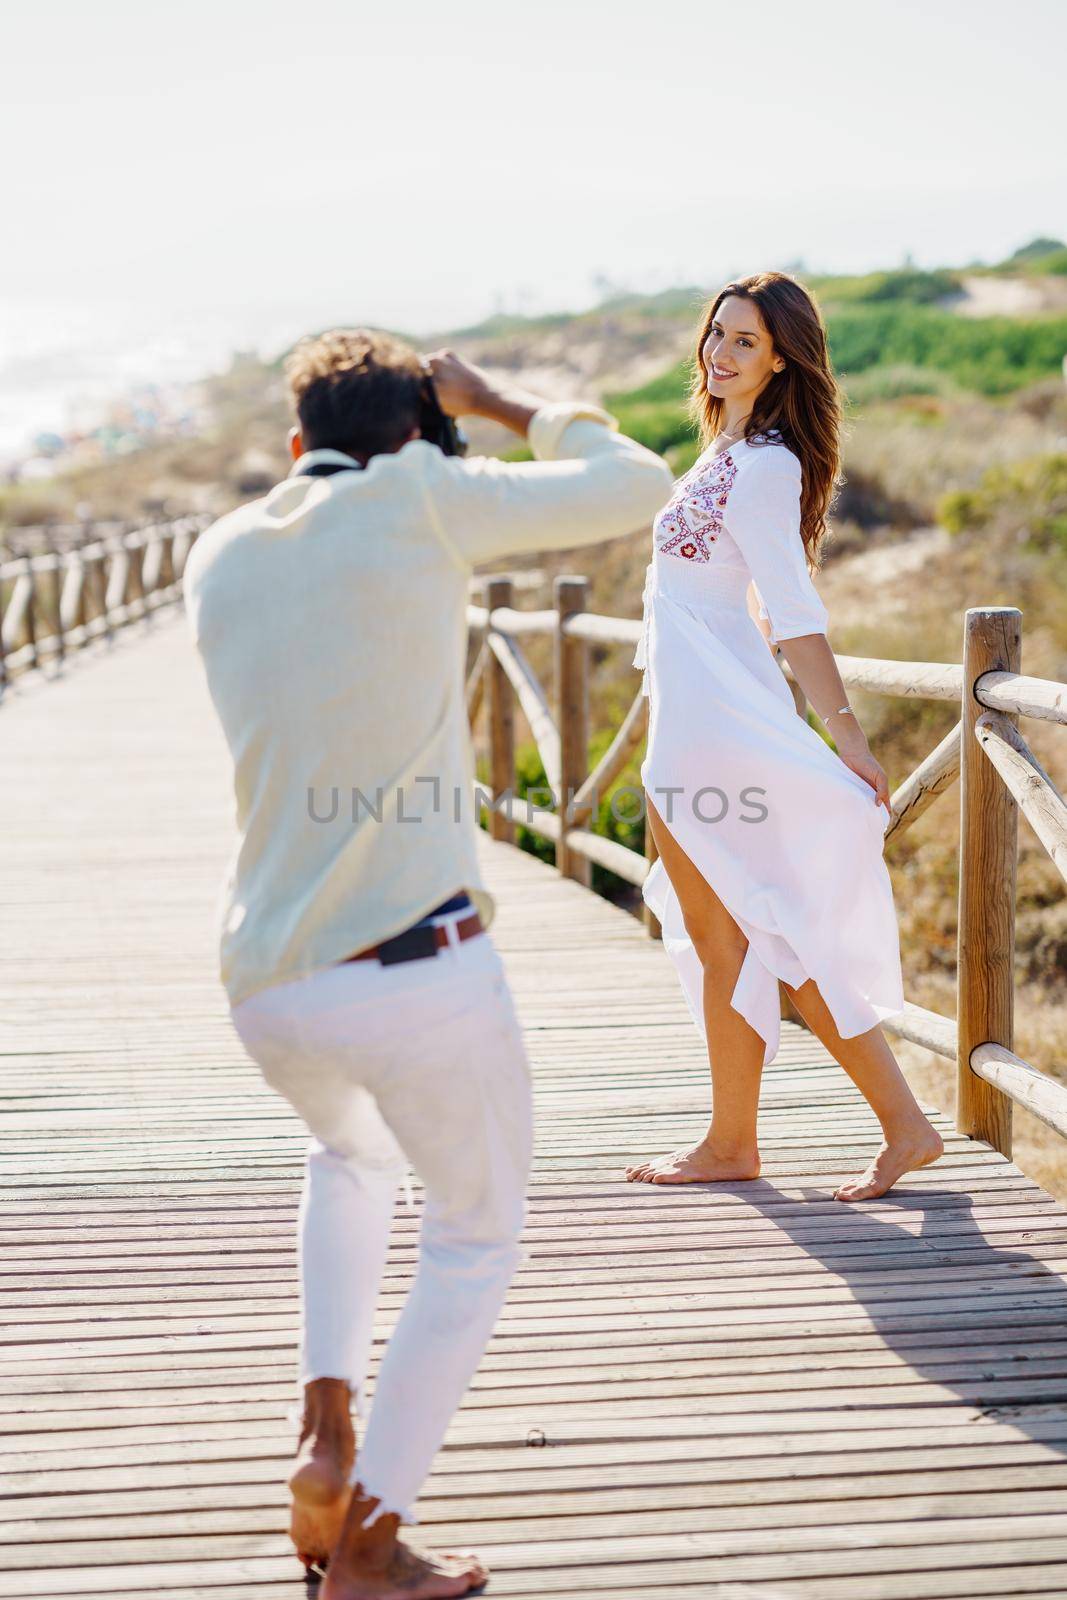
{"x": 749, "y": 1392}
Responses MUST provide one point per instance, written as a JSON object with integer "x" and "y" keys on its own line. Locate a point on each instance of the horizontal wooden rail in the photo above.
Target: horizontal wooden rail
{"x": 624, "y": 863}
{"x": 1025, "y": 1085}
{"x": 1031, "y": 697}
{"x": 601, "y": 630}
{"x": 507, "y": 620}
{"x": 911, "y": 680}
{"x": 587, "y": 625}
{"x": 926, "y": 1028}
{"x": 519, "y": 809}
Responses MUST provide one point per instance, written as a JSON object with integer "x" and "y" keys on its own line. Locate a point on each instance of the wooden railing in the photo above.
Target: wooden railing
{"x": 998, "y": 773}
{"x": 56, "y": 602}
{"x": 59, "y": 601}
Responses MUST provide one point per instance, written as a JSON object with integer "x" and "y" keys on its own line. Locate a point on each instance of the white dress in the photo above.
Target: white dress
{"x": 790, "y": 839}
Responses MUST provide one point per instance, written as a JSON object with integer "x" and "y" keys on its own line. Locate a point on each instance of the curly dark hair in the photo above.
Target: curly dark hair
{"x": 356, "y": 390}
{"x": 803, "y": 401}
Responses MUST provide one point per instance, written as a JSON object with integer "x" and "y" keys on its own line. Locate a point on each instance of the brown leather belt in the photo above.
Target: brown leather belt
{"x": 414, "y": 943}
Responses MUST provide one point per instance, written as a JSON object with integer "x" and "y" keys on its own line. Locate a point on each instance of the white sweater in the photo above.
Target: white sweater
{"x": 331, "y": 619}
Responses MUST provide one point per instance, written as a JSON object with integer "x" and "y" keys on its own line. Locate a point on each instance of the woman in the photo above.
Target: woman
{"x": 770, "y": 846}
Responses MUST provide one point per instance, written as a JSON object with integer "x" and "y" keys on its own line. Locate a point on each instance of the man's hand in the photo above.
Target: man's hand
{"x": 464, "y": 390}
{"x": 461, "y": 387}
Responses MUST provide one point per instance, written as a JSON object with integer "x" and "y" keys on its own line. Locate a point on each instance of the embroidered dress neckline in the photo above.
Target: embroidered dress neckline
{"x": 711, "y": 454}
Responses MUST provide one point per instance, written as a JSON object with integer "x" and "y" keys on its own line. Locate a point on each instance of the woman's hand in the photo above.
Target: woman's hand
{"x": 865, "y": 766}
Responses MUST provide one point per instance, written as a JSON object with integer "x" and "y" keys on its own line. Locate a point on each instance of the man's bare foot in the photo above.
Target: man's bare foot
{"x": 318, "y": 1482}
{"x": 916, "y": 1148}
{"x": 701, "y": 1164}
{"x": 371, "y": 1563}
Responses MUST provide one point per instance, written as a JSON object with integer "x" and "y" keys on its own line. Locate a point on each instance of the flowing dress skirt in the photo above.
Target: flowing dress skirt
{"x": 789, "y": 838}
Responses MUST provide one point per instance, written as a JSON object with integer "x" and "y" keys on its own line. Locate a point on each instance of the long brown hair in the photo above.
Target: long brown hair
{"x": 803, "y": 401}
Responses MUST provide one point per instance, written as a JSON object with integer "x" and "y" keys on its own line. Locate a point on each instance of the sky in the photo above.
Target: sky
{"x": 229, "y": 173}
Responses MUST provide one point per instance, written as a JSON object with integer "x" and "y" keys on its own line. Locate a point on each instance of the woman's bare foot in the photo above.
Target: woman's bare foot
{"x": 318, "y": 1482}
{"x": 917, "y": 1147}
{"x": 371, "y": 1563}
{"x": 701, "y": 1164}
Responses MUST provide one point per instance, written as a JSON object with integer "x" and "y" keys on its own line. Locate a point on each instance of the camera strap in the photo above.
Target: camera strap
{"x": 325, "y": 469}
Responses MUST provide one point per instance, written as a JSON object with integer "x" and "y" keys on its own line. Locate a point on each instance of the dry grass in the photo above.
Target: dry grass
{"x": 920, "y": 448}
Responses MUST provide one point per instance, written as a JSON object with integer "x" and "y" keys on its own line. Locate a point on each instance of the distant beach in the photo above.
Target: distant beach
{"x": 67, "y": 375}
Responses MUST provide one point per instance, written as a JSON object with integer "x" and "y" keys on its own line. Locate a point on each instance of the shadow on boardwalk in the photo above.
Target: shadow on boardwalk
{"x": 987, "y": 1324}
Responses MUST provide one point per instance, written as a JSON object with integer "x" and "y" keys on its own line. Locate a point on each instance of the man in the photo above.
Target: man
{"x": 330, "y": 616}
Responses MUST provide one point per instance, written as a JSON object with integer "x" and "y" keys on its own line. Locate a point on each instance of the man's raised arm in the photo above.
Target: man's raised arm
{"x": 588, "y": 482}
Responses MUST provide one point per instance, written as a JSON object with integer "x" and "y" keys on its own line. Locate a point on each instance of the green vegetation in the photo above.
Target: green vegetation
{"x": 667, "y": 305}
{"x": 900, "y": 382}
{"x": 1039, "y": 257}
{"x": 627, "y": 829}
{"x": 503, "y": 324}
{"x": 655, "y": 414}
{"x": 989, "y": 355}
{"x": 908, "y": 285}
{"x": 1036, "y": 250}
{"x": 1026, "y": 500}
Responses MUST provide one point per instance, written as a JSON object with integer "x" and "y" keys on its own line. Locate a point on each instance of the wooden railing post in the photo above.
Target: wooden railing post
{"x": 3, "y": 648}
{"x": 186, "y": 537}
{"x": 572, "y": 711}
{"x": 118, "y": 583}
{"x": 992, "y": 642}
{"x": 57, "y": 604}
{"x": 136, "y": 544}
{"x": 101, "y": 584}
{"x": 31, "y": 612}
{"x": 83, "y": 601}
{"x": 501, "y": 709}
{"x": 648, "y": 916}
{"x": 166, "y": 559}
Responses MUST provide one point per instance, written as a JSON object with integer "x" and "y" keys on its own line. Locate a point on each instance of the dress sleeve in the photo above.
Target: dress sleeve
{"x": 763, "y": 518}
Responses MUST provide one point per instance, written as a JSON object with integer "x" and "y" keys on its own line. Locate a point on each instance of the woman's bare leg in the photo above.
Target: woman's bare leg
{"x": 910, "y": 1139}
{"x": 735, "y": 1050}
{"x": 735, "y": 1053}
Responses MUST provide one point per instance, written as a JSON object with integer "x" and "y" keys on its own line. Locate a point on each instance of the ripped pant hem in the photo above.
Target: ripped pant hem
{"x": 295, "y": 1414}
{"x": 384, "y": 1508}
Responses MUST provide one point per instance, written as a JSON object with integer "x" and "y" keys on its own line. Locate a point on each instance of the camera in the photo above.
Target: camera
{"x": 437, "y": 427}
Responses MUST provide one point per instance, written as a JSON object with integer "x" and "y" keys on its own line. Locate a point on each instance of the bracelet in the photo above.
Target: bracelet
{"x": 845, "y": 710}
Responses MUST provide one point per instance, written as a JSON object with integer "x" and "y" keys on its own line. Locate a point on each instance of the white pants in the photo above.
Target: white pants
{"x": 425, "y": 1060}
